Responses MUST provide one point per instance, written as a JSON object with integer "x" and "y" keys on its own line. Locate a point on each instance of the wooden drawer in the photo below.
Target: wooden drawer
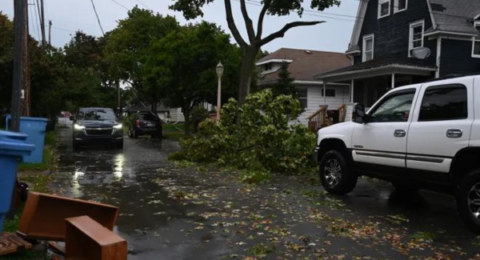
{"x": 88, "y": 240}
{"x": 44, "y": 215}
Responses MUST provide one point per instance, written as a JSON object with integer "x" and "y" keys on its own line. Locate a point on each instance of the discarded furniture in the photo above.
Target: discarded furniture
{"x": 10, "y": 244}
{"x": 88, "y": 240}
{"x": 44, "y": 215}
{"x": 318, "y": 119}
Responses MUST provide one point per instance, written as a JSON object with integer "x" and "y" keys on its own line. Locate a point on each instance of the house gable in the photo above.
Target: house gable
{"x": 392, "y": 32}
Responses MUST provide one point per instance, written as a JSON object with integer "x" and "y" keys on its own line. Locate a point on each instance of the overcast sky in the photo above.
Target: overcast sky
{"x": 69, "y": 16}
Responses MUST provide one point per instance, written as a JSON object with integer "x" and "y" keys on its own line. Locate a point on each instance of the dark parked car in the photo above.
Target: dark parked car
{"x": 145, "y": 123}
{"x": 97, "y": 125}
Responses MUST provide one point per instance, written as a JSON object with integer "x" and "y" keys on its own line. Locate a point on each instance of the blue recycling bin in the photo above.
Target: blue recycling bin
{"x": 13, "y": 147}
{"x": 34, "y": 128}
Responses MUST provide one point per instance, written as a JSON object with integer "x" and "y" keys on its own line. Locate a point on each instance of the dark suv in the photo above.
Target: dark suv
{"x": 145, "y": 123}
{"x": 97, "y": 125}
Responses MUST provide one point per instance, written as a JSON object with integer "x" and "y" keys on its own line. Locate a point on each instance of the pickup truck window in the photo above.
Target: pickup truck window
{"x": 441, "y": 103}
{"x": 394, "y": 108}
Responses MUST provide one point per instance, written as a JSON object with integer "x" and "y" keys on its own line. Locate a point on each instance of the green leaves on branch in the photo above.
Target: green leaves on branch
{"x": 263, "y": 140}
{"x": 193, "y": 8}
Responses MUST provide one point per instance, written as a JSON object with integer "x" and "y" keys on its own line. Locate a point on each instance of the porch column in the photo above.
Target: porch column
{"x": 324, "y": 93}
{"x": 393, "y": 80}
{"x": 351, "y": 90}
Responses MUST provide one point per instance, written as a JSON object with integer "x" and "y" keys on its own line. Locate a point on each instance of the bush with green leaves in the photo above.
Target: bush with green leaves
{"x": 257, "y": 136}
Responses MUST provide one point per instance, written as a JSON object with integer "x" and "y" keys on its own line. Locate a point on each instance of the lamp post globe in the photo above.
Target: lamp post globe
{"x": 220, "y": 70}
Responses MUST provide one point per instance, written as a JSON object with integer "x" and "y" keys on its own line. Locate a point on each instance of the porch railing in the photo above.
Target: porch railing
{"x": 342, "y": 113}
{"x": 318, "y": 119}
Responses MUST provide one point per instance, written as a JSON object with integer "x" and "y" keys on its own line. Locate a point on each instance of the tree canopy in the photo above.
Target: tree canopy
{"x": 183, "y": 64}
{"x": 128, "y": 48}
{"x": 251, "y": 46}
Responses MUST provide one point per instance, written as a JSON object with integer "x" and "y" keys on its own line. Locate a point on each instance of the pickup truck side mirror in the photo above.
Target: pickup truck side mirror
{"x": 72, "y": 118}
{"x": 360, "y": 116}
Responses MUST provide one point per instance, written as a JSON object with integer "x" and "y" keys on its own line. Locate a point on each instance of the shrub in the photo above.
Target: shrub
{"x": 256, "y": 136}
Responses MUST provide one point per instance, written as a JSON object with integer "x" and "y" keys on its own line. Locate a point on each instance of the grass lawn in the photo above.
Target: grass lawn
{"x": 173, "y": 131}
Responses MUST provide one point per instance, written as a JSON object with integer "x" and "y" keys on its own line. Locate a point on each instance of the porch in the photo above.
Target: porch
{"x": 372, "y": 79}
{"x": 369, "y": 81}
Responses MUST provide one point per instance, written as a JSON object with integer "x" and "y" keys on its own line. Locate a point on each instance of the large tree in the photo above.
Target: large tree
{"x": 128, "y": 49}
{"x": 252, "y": 45}
{"x": 183, "y": 63}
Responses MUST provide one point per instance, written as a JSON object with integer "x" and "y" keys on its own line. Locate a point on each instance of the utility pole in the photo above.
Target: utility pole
{"x": 19, "y": 49}
{"x": 25, "y": 97}
{"x": 50, "y": 32}
{"x": 43, "y": 24}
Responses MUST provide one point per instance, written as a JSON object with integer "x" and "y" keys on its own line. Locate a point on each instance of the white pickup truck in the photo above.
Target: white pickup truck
{"x": 419, "y": 136}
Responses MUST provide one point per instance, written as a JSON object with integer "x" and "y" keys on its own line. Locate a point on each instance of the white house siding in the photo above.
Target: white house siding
{"x": 176, "y": 115}
{"x": 315, "y": 99}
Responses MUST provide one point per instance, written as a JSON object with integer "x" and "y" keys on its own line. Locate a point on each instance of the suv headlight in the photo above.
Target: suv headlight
{"x": 78, "y": 127}
{"x": 119, "y": 126}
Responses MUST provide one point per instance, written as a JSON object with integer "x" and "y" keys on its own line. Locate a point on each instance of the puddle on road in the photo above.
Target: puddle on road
{"x": 137, "y": 179}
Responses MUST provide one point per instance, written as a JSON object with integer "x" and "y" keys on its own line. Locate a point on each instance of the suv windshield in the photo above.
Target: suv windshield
{"x": 96, "y": 114}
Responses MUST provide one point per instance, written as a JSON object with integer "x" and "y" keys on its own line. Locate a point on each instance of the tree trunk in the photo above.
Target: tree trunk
{"x": 248, "y": 67}
{"x": 186, "y": 114}
{"x": 153, "y": 106}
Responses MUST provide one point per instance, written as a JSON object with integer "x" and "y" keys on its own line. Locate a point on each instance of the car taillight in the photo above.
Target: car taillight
{"x": 137, "y": 123}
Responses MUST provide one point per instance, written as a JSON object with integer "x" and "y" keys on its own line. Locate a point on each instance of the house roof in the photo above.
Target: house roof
{"x": 139, "y": 107}
{"x": 379, "y": 65}
{"x": 305, "y": 64}
{"x": 455, "y": 16}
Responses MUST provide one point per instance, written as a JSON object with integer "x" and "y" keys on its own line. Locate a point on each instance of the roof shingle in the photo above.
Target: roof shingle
{"x": 455, "y": 15}
{"x": 306, "y": 64}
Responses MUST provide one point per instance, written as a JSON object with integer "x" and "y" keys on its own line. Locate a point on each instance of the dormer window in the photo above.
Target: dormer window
{"x": 383, "y": 8}
{"x": 476, "y": 42}
{"x": 400, "y": 6}
{"x": 368, "y": 47}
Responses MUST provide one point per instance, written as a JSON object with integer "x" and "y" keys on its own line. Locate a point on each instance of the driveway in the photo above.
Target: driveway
{"x": 178, "y": 211}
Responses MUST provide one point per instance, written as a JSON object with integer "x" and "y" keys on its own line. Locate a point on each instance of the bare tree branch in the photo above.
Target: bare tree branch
{"x": 231, "y": 25}
{"x": 248, "y": 21}
{"x": 288, "y": 26}
{"x": 266, "y": 5}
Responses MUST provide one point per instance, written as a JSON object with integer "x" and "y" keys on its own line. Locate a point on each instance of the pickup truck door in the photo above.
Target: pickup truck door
{"x": 441, "y": 126}
{"x": 383, "y": 140}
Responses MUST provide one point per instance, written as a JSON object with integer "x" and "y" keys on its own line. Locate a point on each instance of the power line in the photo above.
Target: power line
{"x": 126, "y": 8}
{"x": 34, "y": 21}
{"x": 98, "y": 18}
{"x": 144, "y": 5}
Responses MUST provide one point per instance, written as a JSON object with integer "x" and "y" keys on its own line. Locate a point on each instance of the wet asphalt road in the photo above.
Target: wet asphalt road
{"x": 173, "y": 212}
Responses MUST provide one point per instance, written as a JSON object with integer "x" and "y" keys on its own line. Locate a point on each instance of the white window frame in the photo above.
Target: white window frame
{"x": 364, "y": 46}
{"x": 380, "y": 2}
{"x": 410, "y": 38}
{"x": 395, "y": 7}
{"x": 474, "y": 40}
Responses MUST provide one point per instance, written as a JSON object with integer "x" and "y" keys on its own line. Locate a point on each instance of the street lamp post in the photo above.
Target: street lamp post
{"x": 220, "y": 70}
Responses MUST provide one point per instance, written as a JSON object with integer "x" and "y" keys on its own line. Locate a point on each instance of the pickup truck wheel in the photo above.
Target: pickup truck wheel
{"x": 468, "y": 200}
{"x": 335, "y": 175}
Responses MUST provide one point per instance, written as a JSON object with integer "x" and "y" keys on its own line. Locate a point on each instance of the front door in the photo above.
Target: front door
{"x": 383, "y": 140}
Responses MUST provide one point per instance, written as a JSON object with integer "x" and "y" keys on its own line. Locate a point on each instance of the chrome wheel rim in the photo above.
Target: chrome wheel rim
{"x": 474, "y": 201}
{"x": 333, "y": 172}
